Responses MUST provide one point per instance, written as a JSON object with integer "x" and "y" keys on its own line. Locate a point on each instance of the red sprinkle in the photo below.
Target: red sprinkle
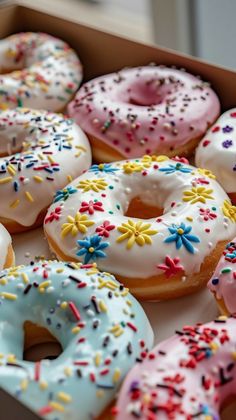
{"x": 37, "y": 371}
{"x": 132, "y": 326}
{"x": 74, "y": 310}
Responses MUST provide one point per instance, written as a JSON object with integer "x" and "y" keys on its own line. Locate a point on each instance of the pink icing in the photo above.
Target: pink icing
{"x": 223, "y": 281}
{"x": 145, "y": 109}
{"x": 187, "y": 376}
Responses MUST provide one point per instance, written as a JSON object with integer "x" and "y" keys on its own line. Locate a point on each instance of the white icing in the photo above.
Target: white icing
{"x": 217, "y": 150}
{"x": 5, "y": 242}
{"x": 163, "y": 189}
{"x": 50, "y": 142}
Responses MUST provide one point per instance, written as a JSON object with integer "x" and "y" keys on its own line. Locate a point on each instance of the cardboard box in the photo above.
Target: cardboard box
{"x": 101, "y": 53}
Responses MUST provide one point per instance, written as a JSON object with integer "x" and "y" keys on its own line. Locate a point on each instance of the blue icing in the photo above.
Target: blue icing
{"x": 63, "y": 298}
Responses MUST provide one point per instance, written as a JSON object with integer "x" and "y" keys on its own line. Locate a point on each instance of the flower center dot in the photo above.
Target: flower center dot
{"x": 180, "y": 231}
{"x": 91, "y": 249}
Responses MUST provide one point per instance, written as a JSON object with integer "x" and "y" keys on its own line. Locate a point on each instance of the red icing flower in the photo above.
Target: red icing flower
{"x": 91, "y": 206}
{"x": 207, "y": 214}
{"x": 200, "y": 181}
{"x": 54, "y": 215}
{"x": 104, "y": 229}
{"x": 180, "y": 159}
{"x": 171, "y": 267}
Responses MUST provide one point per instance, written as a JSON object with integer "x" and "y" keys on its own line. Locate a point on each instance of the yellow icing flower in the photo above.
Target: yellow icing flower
{"x": 131, "y": 167}
{"x": 79, "y": 223}
{"x": 207, "y": 173}
{"x": 135, "y": 232}
{"x": 196, "y": 194}
{"x": 229, "y": 210}
{"x": 92, "y": 184}
{"x": 148, "y": 159}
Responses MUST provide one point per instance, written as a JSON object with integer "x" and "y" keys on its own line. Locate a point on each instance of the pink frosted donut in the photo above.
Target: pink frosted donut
{"x": 188, "y": 376}
{"x": 223, "y": 282}
{"x": 144, "y": 110}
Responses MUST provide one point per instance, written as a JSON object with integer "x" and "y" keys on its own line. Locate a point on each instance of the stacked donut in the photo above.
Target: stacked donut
{"x": 141, "y": 212}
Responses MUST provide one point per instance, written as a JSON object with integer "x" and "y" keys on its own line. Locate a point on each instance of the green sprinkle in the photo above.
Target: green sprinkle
{"x": 118, "y": 206}
{"x": 213, "y": 208}
{"x": 110, "y": 212}
{"x": 111, "y": 187}
{"x": 19, "y": 102}
{"x": 226, "y": 270}
{"x": 123, "y": 324}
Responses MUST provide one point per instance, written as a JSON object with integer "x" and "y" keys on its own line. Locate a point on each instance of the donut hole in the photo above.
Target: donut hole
{"x": 39, "y": 343}
{"x": 137, "y": 208}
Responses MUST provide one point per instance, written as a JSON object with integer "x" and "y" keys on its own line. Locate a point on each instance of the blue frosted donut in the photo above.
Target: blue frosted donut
{"x": 102, "y": 329}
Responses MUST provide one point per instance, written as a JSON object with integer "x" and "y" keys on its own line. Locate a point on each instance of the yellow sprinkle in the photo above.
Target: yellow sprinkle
{"x": 5, "y": 180}
{"x": 11, "y": 170}
{"x": 213, "y": 346}
{"x": 125, "y": 292}
{"x": 146, "y": 398}
{"x": 102, "y": 306}
{"x": 222, "y": 318}
{"x": 9, "y": 296}
{"x": 68, "y": 371}
{"x": 129, "y": 303}
{"x": 15, "y": 203}
{"x": 50, "y": 159}
{"x": 60, "y": 270}
{"x": 97, "y": 359}
{"x": 11, "y": 358}
{"x": 41, "y": 157}
{"x": 100, "y": 393}
{"x": 38, "y": 178}
{"x": 43, "y": 385}
{"x": 41, "y": 290}
{"x": 45, "y": 284}
{"x": 75, "y": 330}
{"x": 66, "y": 398}
{"x": 25, "y": 278}
{"x": 56, "y": 406}
{"x": 3, "y": 281}
{"x": 116, "y": 330}
{"x": 24, "y": 384}
{"x": 29, "y": 196}
{"x": 69, "y": 178}
{"x": 116, "y": 375}
{"x": 64, "y": 305}
{"x": 189, "y": 218}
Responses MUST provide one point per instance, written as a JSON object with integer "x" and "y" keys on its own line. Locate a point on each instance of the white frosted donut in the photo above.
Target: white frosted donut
{"x": 7, "y": 257}
{"x": 43, "y": 72}
{"x": 217, "y": 151}
{"x": 46, "y": 150}
{"x": 167, "y": 255}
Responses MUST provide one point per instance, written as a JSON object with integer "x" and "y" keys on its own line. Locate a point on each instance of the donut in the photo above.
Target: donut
{"x": 102, "y": 330}
{"x": 144, "y": 110}
{"x": 222, "y": 283}
{"x": 41, "y": 152}
{"x": 160, "y": 225}
{"x": 37, "y": 71}
{"x": 7, "y": 256}
{"x": 190, "y": 375}
{"x": 217, "y": 152}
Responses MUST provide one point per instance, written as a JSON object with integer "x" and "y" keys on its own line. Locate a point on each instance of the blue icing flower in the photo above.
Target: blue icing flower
{"x": 178, "y": 167}
{"x": 180, "y": 235}
{"x": 64, "y": 194}
{"x": 92, "y": 248}
{"x": 103, "y": 167}
{"x": 227, "y": 129}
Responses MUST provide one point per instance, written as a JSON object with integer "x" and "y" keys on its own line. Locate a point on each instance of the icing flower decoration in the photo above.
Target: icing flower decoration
{"x": 79, "y": 223}
{"x": 148, "y": 159}
{"x": 105, "y": 228}
{"x": 138, "y": 233}
{"x": 131, "y": 167}
{"x": 180, "y": 234}
{"x": 92, "y": 184}
{"x": 92, "y": 248}
{"x": 64, "y": 194}
{"x": 91, "y": 206}
{"x": 206, "y": 172}
{"x": 207, "y": 214}
{"x": 176, "y": 168}
{"x": 202, "y": 181}
{"x": 54, "y": 215}
{"x": 180, "y": 159}
{"x": 171, "y": 266}
{"x": 229, "y": 210}
{"x": 196, "y": 194}
{"x": 103, "y": 167}
{"x": 230, "y": 252}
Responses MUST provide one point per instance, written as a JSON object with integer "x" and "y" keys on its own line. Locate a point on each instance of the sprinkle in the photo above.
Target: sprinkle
{"x": 37, "y": 371}
{"x": 45, "y": 284}
{"x": 75, "y": 330}
{"x": 132, "y": 326}
{"x": 5, "y": 180}
{"x": 64, "y": 305}
{"x": 38, "y": 178}
{"x": 9, "y": 296}
{"x": 43, "y": 385}
{"x": 24, "y": 384}
{"x": 74, "y": 310}
{"x": 66, "y": 398}
{"x": 14, "y": 204}
{"x": 102, "y": 306}
{"x": 29, "y": 196}
{"x": 97, "y": 359}
{"x": 116, "y": 375}
{"x": 56, "y": 406}
{"x": 25, "y": 278}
